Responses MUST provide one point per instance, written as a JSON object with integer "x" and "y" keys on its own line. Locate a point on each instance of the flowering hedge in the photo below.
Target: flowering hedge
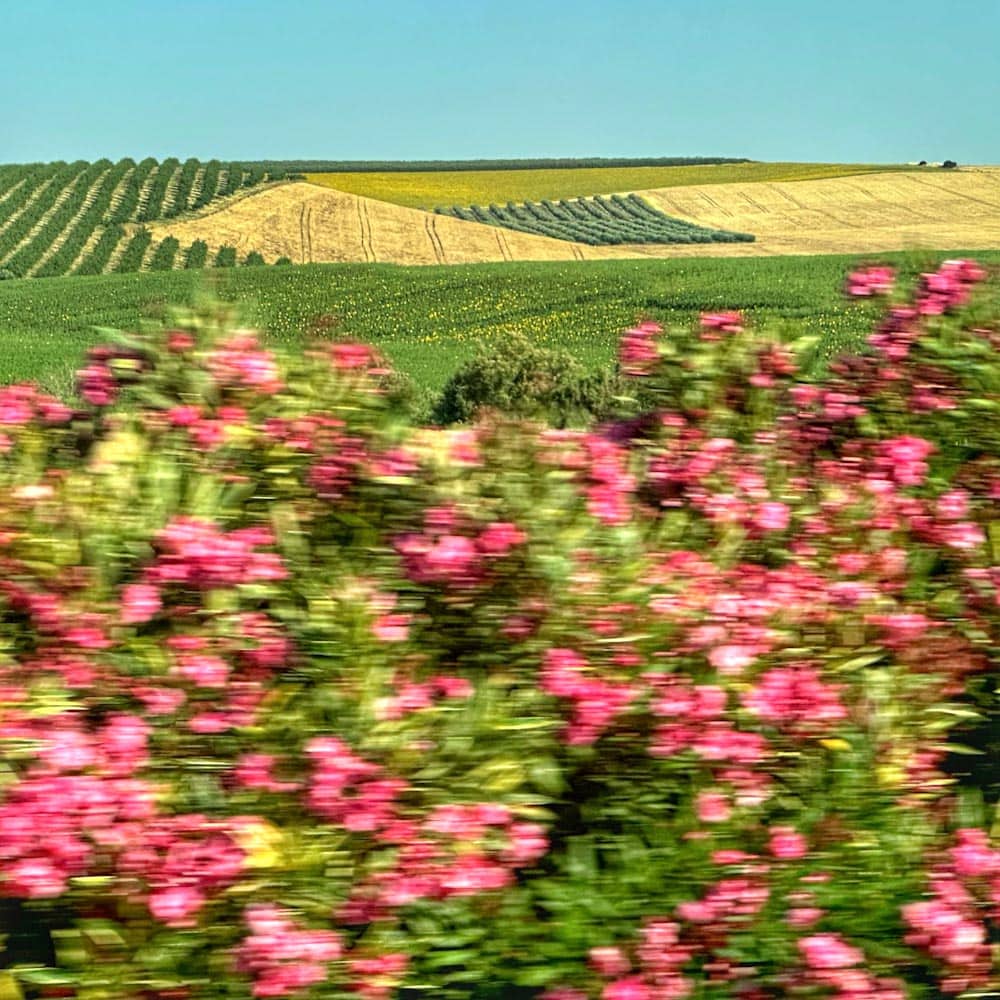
{"x": 296, "y": 697}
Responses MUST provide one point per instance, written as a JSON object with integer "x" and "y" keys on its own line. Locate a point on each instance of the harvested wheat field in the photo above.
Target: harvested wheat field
{"x": 309, "y": 223}
{"x": 861, "y": 214}
{"x": 890, "y": 211}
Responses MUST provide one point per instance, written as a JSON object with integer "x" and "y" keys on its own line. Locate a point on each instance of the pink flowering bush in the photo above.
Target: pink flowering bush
{"x": 298, "y": 699}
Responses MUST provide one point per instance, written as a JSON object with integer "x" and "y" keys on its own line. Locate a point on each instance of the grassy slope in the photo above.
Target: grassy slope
{"x": 428, "y": 189}
{"x": 428, "y": 319}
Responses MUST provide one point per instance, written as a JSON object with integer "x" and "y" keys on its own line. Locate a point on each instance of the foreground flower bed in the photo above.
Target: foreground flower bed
{"x": 297, "y": 698}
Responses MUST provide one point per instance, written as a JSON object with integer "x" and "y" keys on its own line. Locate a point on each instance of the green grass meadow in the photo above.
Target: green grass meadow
{"x": 429, "y": 319}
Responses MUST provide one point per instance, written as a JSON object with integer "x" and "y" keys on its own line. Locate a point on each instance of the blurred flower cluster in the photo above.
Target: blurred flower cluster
{"x": 296, "y": 697}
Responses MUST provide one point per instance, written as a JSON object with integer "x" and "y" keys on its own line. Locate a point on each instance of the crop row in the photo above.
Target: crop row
{"x": 595, "y": 221}
{"x": 34, "y": 211}
{"x": 153, "y": 206}
{"x": 58, "y": 218}
{"x": 86, "y": 223}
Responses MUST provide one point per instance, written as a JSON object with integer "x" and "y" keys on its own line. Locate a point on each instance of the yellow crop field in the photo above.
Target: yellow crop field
{"x": 431, "y": 188}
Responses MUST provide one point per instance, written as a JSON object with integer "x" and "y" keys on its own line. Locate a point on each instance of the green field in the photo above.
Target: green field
{"x": 428, "y": 319}
{"x": 440, "y": 188}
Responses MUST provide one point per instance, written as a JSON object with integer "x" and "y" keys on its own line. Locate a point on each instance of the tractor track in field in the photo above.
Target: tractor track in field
{"x": 723, "y": 211}
{"x": 756, "y": 204}
{"x": 953, "y": 192}
{"x": 366, "y": 232}
{"x": 881, "y": 202}
{"x": 781, "y": 192}
{"x": 502, "y": 244}
{"x": 434, "y": 239}
{"x": 305, "y": 236}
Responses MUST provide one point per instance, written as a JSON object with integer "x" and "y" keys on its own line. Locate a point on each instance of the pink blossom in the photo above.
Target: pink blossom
{"x": 731, "y": 659}
{"x": 787, "y": 844}
{"x": 713, "y": 325}
{"x": 140, "y": 602}
{"x": 631, "y": 988}
{"x": 772, "y": 516}
{"x": 637, "y": 352}
{"x": 177, "y": 905}
{"x": 713, "y": 807}
{"x": 392, "y": 627}
{"x": 609, "y": 961}
{"x": 871, "y": 281}
{"x": 828, "y": 951}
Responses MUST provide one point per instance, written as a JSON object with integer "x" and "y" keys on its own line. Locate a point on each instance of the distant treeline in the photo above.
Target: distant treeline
{"x": 282, "y": 168}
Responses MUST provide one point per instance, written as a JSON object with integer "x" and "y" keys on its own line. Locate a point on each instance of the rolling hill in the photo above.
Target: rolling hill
{"x": 91, "y": 218}
{"x": 896, "y": 210}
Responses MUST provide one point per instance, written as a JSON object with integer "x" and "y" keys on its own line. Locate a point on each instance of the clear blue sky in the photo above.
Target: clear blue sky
{"x": 879, "y": 80}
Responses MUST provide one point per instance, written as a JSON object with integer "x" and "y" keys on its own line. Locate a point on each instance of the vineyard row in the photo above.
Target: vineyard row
{"x": 74, "y": 218}
{"x": 595, "y": 221}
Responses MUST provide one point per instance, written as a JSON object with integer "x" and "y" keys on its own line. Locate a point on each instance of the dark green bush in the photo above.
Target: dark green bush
{"x": 226, "y": 257}
{"x": 253, "y": 259}
{"x": 520, "y": 378}
{"x": 197, "y": 254}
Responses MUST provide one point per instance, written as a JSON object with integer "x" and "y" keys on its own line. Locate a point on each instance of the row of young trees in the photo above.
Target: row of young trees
{"x": 61, "y": 218}
{"x": 33, "y": 211}
{"x": 88, "y": 218}
{"x": 595, "y": 221}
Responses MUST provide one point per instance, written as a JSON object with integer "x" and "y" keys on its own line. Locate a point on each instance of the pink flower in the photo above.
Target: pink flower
{"x": 632, "y": 988}
{"x": 637, "y": 353}
{"x": 801, "y": 917}
{"x": 787, "y": 844}
{"x": 963, "y": 535}
{"x": 828, "y": 951}
{"x": 772, "y": 516}
{"x": 33, "y": 878}
{"x": 973, "y": 857}
{"x": 203, "y": 670}
{"x": 140, "y": 602}
{"x": 713, "y": 325}
{"x": 499, "y": 538}
{"x": 176, "y": 906}
{"x": 731, "y": 659}
{"x": 178, "y": 341}
{"x": 392, "y": 627}
{"x": 713, "y": 807}
{"x": 183, "y": 416}
{"x": 870, "y": 281}
{"x": 350, "y": 356}
{"x": 609, "y": 961}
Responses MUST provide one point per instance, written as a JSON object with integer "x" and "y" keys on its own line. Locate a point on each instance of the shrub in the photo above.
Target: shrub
{"x": 519, "y": 378}
{"x": 297, "y": 697}
{"x": 197, "y": 255}
{"x": 283, "y": 262}
{"x": 949, "y": 164}
{"x": 226, "y": 257}
{"x": 253, "y": 259}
